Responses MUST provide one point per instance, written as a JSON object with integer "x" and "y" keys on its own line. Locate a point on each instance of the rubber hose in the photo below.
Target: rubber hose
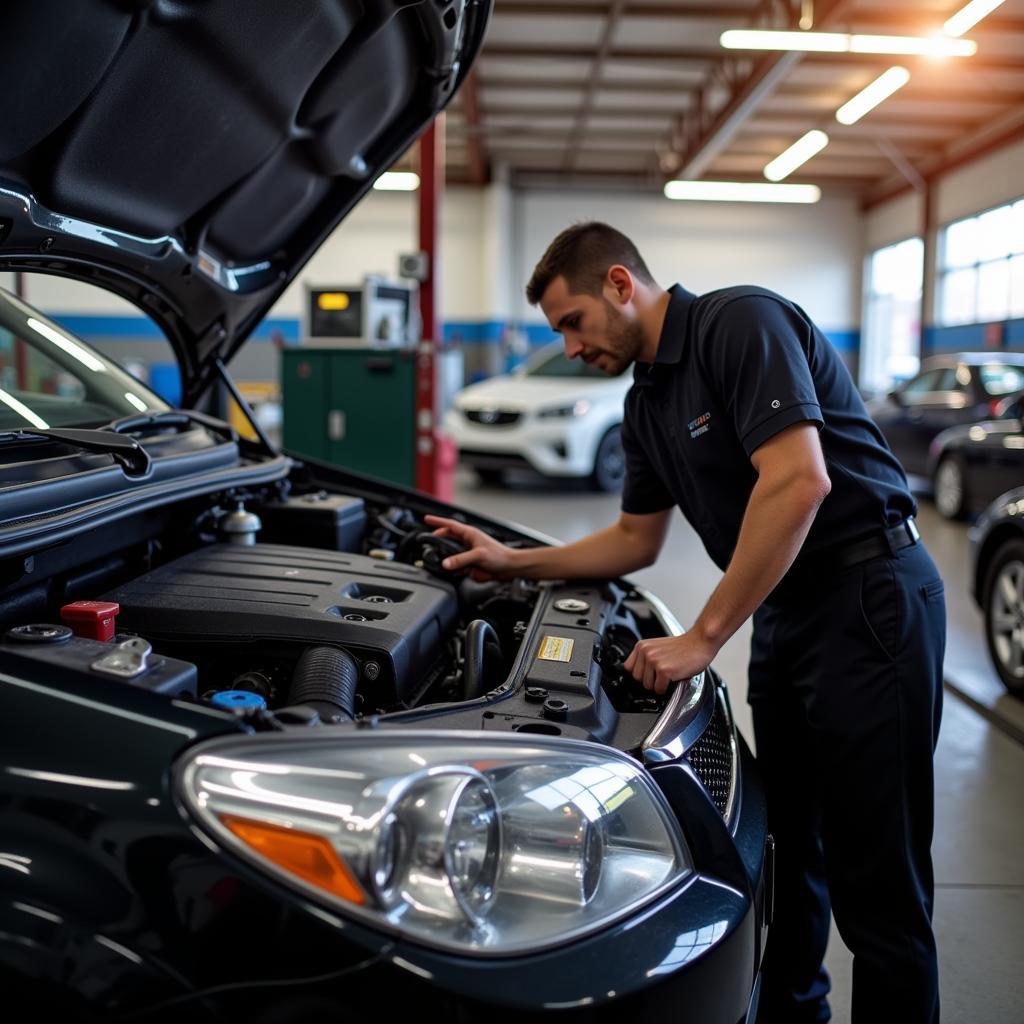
{"x": 482, "y": 645}
{"x": 325, "y": 678}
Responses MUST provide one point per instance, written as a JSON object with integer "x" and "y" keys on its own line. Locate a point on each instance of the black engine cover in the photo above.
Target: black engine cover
{"x": 393, "y": 613}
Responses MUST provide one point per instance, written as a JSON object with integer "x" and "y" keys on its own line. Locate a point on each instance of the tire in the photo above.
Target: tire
{"x": 950, "y": 493}
{"x": 1003, "y": 608}
{"x": 609, "y": 471}
{"x": 491, "y": 476}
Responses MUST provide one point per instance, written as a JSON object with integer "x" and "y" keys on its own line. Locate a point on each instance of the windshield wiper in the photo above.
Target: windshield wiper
{"x": 177, "y": 418}
{"x": 126, "y": 451}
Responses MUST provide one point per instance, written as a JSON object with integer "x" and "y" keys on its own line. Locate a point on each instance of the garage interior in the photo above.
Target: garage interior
{"x": 585, "y": 109}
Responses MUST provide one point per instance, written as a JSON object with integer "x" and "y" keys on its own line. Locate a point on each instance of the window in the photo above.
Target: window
{"x": 892, "y": 315}
{"x": 981, "y": 271}
{"x": 50, "y": 379}
{"x": 998, "y": 379}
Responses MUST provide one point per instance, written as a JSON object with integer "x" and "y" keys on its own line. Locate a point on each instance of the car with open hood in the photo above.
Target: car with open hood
{"x": 262, "y": 758}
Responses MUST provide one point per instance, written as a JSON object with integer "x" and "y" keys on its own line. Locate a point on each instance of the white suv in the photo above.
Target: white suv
{"x": 558, "y": 416}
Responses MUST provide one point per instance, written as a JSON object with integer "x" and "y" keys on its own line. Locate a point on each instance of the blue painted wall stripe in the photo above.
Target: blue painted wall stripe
{"x": 466, "y": 332}
{"x": 971, "y": 338}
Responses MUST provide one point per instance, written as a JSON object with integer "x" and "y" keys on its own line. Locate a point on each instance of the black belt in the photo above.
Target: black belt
{"x": 884, "y": 542}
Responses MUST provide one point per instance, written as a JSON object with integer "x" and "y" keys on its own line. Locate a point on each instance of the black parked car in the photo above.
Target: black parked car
{"x": 972, "y": 465}
{"x": 262, "y": 759}
{"x": 949, "y": 391}
{"x": 997, "y": 579}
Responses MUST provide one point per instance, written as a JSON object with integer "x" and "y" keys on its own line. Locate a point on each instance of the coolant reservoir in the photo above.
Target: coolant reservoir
{"x": 241, "y": 527}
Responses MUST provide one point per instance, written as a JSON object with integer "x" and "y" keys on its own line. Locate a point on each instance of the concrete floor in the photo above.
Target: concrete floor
{"x": 979, "y": 839}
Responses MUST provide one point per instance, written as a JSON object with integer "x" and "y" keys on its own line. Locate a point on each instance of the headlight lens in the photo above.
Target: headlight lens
{"x": 464, "y": 842}
{"x": 580, "y": 408}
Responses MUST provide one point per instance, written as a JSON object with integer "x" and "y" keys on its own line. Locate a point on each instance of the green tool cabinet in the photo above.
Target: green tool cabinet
{"x": 353, "y": 407}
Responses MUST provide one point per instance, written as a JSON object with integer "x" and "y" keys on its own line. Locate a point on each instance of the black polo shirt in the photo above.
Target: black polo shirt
{"x": 734, "y": 368}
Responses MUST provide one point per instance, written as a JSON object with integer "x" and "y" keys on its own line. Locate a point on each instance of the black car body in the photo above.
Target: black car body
{"x": 311, "y": 774}
{"x": 972, "y": 465}
{"x": 997, "y": 584}
{"x": 949, "y": 391}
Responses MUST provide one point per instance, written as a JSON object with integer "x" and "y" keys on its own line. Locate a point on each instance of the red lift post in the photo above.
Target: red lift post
{"x": 432, "y": 474}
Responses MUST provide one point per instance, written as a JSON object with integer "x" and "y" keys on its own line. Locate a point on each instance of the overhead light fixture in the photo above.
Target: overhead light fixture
{"x": 741, "y": 192}
{"x": 871, "y": 95}
{"x": 799, "y": 153}
{"x": 845, "y": 42}
{"x": 397, "y": 181}
{"x": 969, "y": 16}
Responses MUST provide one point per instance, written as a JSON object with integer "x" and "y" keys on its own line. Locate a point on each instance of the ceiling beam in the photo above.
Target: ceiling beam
{"x": 532, "y": 8}
{"x": 968, "y": 92}
{"x": 908, "y": 23}
{"x": 647, "y": 55}
{"x": 562, "y": 84}
{"x": 611, "y": 26}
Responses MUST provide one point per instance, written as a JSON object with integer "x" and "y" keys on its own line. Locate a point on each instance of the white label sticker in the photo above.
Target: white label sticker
{"x": 556, "y": 648}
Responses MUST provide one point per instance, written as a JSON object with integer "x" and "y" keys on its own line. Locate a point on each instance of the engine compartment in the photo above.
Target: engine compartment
{"x": 228, "y": 598}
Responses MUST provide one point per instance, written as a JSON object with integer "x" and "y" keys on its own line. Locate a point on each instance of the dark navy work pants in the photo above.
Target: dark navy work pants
{"x": 846, "y": 694}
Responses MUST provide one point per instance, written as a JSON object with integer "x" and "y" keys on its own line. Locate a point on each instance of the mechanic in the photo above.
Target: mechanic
{"x": 742, "y": 414}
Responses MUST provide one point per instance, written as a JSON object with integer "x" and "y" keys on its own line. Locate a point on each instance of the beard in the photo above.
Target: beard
{"x": 624, "y": 341}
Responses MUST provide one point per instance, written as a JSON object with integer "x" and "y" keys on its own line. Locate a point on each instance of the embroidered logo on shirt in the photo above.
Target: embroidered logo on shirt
{"x": 701, "y": 425}
{"x": 776, "y": 404}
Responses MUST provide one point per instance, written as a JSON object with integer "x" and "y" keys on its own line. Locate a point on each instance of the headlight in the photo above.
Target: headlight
{"x": 460, "y": 841}
{"x": 580, "y": 408}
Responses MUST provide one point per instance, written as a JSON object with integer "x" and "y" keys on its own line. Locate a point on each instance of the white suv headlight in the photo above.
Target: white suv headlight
{"x": 461, "y": 841}
{"x": 580, "y": 408}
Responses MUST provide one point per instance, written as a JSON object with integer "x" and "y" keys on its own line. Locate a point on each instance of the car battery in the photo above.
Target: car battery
{"x": 335, "y": 522}
{"x": 52, "y": 654}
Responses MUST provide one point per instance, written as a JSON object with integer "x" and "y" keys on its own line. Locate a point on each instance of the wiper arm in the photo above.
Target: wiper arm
{"x": 178, "y": 418}
{"x": 127, "y": 452}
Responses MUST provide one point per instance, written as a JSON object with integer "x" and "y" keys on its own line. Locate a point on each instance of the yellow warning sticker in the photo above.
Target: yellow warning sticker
{"x": 556, "y": 648}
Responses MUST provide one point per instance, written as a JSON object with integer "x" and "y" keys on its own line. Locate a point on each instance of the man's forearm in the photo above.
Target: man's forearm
{"x": 775, "y": 525}
{"x": 609, "y": 552}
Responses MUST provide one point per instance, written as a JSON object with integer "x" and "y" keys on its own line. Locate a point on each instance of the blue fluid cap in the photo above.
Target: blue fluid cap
{"x": 238, "y": 700}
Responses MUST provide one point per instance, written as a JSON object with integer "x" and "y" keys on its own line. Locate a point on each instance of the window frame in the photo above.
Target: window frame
{"x": 943, "y": 271}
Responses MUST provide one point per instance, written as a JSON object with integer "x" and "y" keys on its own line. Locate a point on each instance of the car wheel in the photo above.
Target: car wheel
{"x": 950, "y": 488}
{"x": 1003, "y": 607}
{"x": 491, "y": 476}
{"x": 610, "y": 462}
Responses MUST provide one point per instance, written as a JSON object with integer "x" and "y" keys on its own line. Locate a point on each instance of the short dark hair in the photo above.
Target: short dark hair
{"x": 582, "y": 255}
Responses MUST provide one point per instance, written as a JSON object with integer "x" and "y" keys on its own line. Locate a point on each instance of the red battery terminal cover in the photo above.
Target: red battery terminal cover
{"x": 94, "y": 620}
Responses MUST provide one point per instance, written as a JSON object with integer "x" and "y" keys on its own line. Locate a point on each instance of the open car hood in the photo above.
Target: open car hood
{"x": 191, "y": 155}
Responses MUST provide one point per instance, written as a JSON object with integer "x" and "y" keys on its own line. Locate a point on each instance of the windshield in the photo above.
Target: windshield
{"x": 48, "y": 378}
{"x": 552, "y": 362}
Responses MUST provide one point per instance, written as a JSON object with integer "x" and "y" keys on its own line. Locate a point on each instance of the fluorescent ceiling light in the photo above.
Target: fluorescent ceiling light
{"x": 871, "y": 95}
{"x": 844, "y": 42}
{"x": 799, "y": 153}
{"x": 969, "y": 16}
{"x": 397, "y": 181}
{"x": 741, "y": 192}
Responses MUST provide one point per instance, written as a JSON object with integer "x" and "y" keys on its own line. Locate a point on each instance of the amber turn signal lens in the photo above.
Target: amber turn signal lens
{"x": 310, "y": 857}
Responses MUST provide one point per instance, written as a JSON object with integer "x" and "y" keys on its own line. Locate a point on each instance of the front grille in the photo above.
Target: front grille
{"x": 492, "y": 417}
{"x": 711, "y": 758}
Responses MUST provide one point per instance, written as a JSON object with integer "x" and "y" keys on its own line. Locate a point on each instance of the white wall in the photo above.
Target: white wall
{"x": 381, "y": 227}
{"x": 810, "y": 254}
{"x": 990, "y": 181}
{"x": 894, "y": 221}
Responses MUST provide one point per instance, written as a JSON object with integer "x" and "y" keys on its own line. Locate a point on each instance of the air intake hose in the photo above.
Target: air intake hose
{"x": 483, "y": 650}
{"x": 325, "y": 679}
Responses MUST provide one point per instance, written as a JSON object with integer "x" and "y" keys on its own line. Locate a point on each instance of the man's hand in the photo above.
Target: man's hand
{"x": 485, "y": 558}
{"x": 656, "y": 663}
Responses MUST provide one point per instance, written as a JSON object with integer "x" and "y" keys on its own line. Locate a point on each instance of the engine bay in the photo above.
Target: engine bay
{"x": 304, "y": 606}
